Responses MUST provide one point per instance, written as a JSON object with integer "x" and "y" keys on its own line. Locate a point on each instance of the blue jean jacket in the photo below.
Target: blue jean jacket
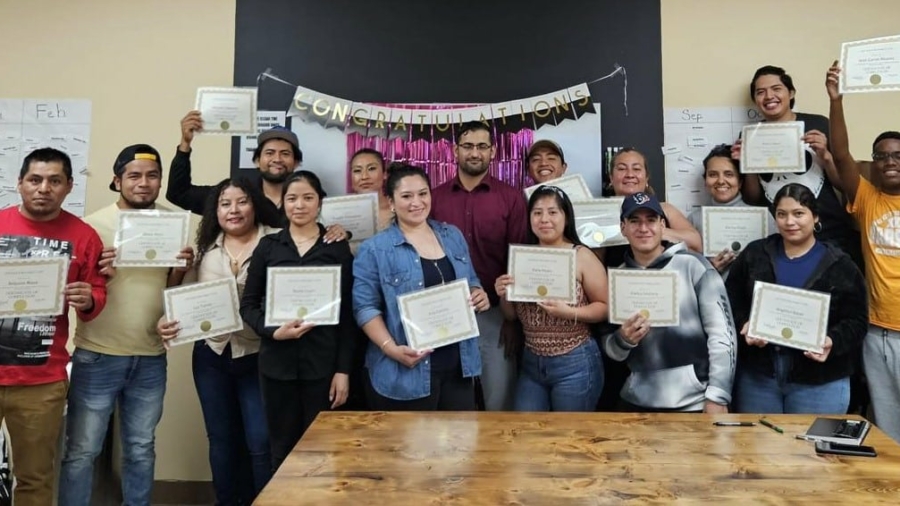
{"x": 386, "y": 267}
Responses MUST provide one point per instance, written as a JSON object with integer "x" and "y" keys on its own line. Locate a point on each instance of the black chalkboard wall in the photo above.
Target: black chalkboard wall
{"x": 461, "y": 51}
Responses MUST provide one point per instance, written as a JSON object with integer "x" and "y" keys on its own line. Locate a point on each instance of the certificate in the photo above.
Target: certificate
{"x": 598, "y": 223}
{"x": 575, "y": 187}
{"x": 151, "y": 238}
{"x": 356, "y": 213}
{"x": 438, "y": 316}
{"x": 227, "y": 111}
{"x": 732, "y": 228}
{"x": 789, "y": 316}
{"x": 870, "y": 65}
{"x": 772, "y": 147}
{"x": 652, "y": 293}
{"x": 203, "y": 310}
{"x": 311, "y": 294}
{"x": 541, "y": 273}
{"x": 33, "y": 286}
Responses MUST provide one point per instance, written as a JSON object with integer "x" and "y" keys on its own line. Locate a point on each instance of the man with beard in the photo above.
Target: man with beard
{"x": 119, "y": 358}
{"x": 491, "y": 215}
{"x": 33, "y": 354}
{"x": 277, "y": 156}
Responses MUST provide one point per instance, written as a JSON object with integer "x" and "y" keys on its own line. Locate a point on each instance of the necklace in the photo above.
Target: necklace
{"x": 438, "y": 269}
{"x": 235, "y": 260}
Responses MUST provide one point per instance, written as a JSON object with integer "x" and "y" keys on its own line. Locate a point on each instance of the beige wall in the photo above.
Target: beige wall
{"x": 140, "y": 62}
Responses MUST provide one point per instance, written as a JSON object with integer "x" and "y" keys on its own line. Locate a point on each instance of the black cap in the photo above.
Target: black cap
{"x": 278, "y": 132}
{"x": 546, "y": 144}
{"x": 132, "y": 153}
{"x": 640, "y": 200}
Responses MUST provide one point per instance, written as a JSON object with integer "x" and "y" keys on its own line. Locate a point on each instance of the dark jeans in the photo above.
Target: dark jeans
{"x": 291, "y": 406}
{"x": 449, "y": 392}
{"x": 230, "y": 397}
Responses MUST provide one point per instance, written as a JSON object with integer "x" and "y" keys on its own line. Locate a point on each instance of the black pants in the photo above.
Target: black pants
{"x": 449, "y": 392}
{"x": 291, "y": 406}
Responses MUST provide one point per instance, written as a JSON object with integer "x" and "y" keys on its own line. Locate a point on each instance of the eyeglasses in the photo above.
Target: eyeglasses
{"x": 882, "y": 156}
{"x": 472, "y": 147}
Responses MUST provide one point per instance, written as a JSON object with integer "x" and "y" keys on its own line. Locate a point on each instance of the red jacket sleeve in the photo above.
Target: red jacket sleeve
{"x": 90, "y": 273}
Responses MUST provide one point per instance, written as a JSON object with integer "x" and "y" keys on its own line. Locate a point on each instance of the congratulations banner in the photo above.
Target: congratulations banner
{"x": 413, "y": 123}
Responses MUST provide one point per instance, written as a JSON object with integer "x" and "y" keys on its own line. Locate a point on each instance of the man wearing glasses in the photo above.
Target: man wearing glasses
{"x": 875, "y": 205}
{"x": 491, "y": 215}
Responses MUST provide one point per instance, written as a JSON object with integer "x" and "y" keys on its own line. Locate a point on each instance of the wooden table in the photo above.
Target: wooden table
{"x": 569, "y": 458}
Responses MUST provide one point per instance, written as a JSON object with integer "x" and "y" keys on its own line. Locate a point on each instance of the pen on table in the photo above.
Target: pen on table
{"x": 734, "y": 424}
{"x": 771, "y": 425}
{"x": 804, "y": 437}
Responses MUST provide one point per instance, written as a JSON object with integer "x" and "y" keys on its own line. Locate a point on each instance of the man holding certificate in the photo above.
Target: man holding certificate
{"x": 119, "y": 359}
{"x": 684, "y": 367}
{"x": 417, "y": 256}
{"x": 874, "y": 202}
{"x": 779, "y": 376}
{"x": 33, "y": 354}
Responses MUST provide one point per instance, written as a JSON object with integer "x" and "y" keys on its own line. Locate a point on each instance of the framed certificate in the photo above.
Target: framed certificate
{"x": 356, "y": 213}
{"x": 870, "y": 65}
{"x": 575, "y": 187}
{"x": 772, "y": 147}
{"x": 204, "y": 310}
{"x": 732, "y": 228}
{"x": 652, "y": 293}
{"x": 33, "y": 286}
{"x": 151, "y": 238}
{"x": 311, "y": 294}
{"x": 438, "y": 316}
{"x": 597, "y": 222}
{"x": 789, "y": 316}
{"x": 541, "y": 273}
{"x": 227, "y": 111}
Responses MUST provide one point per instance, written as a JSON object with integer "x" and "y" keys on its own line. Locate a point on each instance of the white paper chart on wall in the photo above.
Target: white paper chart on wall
{"x": 689, "y": 135}
{"x": 28, "y": 124}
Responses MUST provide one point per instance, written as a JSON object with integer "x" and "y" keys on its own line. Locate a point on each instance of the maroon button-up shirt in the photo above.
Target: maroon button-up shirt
{"x": 491, "y": 217}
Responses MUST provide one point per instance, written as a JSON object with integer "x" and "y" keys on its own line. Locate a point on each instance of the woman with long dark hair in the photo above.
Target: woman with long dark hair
{"x": 776, "y": 379}
{"x": 225, "y": 368}
{"x": 304, "y": 368}
{"x": 561, "y": 365}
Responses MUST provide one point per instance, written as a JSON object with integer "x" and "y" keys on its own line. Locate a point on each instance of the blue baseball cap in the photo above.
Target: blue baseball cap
{"x": 641, "y": 200}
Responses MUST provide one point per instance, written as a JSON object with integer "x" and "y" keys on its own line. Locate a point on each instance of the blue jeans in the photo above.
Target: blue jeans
{"x": 138, "y": 384}
{"x": 569, "y": 382}
{"x": 229, "y": 394}
{"x": 756, "y": 393}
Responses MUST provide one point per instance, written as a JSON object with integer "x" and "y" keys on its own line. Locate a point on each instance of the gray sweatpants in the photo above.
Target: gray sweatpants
{"x": 881, "y": 362}
{"x": 498, "y": 374}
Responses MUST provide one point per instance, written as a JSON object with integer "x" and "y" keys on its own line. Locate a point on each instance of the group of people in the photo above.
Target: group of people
{"x": 261, "y": 388}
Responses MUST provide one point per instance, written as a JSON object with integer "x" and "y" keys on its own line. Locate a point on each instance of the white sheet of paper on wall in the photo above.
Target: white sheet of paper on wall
{"x": 697, "y": 141}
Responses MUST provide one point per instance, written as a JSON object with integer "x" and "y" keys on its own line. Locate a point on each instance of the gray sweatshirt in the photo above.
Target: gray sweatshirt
{"x": 679, "y": 368}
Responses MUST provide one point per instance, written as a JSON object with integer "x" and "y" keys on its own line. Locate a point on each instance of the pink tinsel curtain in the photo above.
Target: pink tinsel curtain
{"x": 436, "y": 155}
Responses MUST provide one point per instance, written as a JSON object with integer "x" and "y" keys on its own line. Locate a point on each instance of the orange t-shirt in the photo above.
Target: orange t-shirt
{"x": 878, "y": 215}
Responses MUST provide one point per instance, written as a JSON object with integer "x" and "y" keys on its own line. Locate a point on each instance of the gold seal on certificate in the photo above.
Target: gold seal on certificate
{"x": 789, "y": 316}
{"x": 541, "y": 273}
{"x": 597, "y": 222}
{"x": 438, "y": 316}
{"x": 651, "y": 293}
{"x": 772, "y": 147}
{"x": 227, "y": 111}
{"x": 574, "y": 186}
{"x": 356, "y": 213}
{"x": 311, "y": 294}
{"x": 150, "y": 238}
{"x": 870, "y": 65}
{"x": 203, "y": 310}
{"x": 732, "y": 227}
{"x": 33, "y": 286}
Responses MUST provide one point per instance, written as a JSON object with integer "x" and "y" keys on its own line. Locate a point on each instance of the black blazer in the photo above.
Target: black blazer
{"x": 324, "y": 350}
{"x": 848, "y": 314}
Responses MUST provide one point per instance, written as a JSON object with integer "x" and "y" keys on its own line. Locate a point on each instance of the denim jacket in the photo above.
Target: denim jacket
{"x": 386, "y": 267}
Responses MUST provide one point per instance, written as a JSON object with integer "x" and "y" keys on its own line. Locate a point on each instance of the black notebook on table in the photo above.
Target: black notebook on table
{"x": 839, "y": 430}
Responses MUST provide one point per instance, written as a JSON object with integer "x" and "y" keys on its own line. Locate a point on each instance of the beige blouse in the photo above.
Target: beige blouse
{"x": 216, "y": 264}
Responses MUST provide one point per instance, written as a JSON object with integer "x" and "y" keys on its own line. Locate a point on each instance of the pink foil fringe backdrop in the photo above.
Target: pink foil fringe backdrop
{"x": 436, "y": 155}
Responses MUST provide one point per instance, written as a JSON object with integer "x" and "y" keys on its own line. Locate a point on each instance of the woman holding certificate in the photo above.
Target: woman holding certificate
{"x": 295, "y": 278}
{"x": 225, "y": 368}
{"x": 367, "y": 175}
{"x": 561, "y": 365}
{"x": 778, "y": 377}
{"x": 411, "y": 255}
